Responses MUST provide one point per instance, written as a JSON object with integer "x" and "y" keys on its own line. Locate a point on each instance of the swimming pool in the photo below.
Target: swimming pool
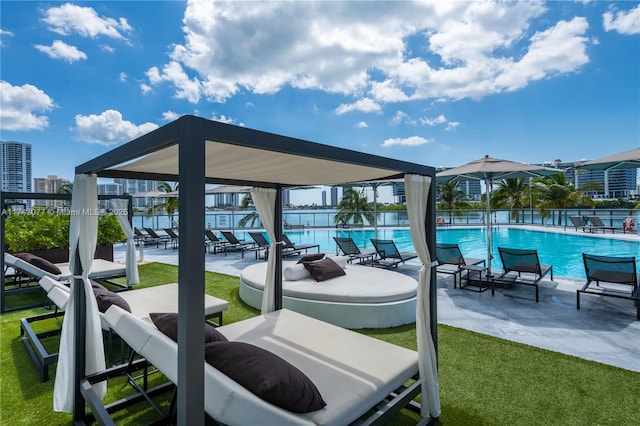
{"x": 563, "y": 251}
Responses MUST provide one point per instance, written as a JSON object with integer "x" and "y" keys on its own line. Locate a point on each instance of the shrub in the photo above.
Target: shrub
{"x": 41, "y": 229}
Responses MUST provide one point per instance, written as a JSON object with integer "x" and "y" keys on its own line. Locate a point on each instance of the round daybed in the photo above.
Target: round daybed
{"x": 365, "y": 297}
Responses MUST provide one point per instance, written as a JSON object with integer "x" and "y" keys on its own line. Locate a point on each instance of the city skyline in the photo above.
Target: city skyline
{"x": 443, "y": 84}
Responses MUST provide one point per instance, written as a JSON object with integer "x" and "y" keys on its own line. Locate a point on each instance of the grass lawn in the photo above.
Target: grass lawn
{"x": 483, "y": 380}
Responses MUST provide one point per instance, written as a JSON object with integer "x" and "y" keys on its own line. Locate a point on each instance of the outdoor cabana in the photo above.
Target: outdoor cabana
{"x": 194, "y": 151}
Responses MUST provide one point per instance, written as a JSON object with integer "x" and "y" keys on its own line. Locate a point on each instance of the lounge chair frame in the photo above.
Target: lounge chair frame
{"x": 596, "y": 223}
{"x": 388, "y": 254}
{"x": 350, "y": 248}
{"x": 58, "y": 294}
{"x": 174, "y": 237}
{"x": 157, "y": 238}
{"x": 290, "y": 245}
{"x": 521, "y": 261}
{"x": 401, "y": 397}
{"x": 235, "y": 244}
{"x": 620, "y": 271}
{"x": 449, "y": 255}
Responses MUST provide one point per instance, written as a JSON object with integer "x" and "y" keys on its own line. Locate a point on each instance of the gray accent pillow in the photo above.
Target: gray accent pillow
{"x": 106, "y": 298}
{"x": 39, "y": 262}
{"x": 168, "y": 324}
{"x": 310, "y": 257}
{"x": 266, "y": 375}
{"x": 324, "y": 269}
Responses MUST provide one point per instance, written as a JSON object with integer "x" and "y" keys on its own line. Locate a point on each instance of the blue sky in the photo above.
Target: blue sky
{"x": 437, "y": 83}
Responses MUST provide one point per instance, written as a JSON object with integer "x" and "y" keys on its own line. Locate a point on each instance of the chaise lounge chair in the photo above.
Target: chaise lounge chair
{"x": 102, "y": 270}
{"x": 235, "y": 244}
{"x": 521, "y": 261}
{"x": 579, "y": 222}
{"x": 350, "y": 248}
{"x": 617, "y": 274}
{"x": 596, "y": 223}
{"x": 142, "y": 302}
{"x": 157, "y": 238}
{"x": 288, "y": 244}
{"x": 264, "y": 244}
{"x": 356, "y": 375}
{"x": 174, "y": 237}
{"x": 388, "y": 254}
{"x": 212, "y": 242}
{"x": 449, "y": 255}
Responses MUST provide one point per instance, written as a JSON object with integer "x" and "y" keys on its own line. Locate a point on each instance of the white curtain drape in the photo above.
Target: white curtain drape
{"x": 417, "y": 193}
{"x": 265, "y": 201}
{"x": 83, "y": 235}
{"x": 120, "y": 207}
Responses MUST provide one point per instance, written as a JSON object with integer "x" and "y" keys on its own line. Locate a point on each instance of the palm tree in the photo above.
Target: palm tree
{"x": 556, "y": 192}
{"x": 169, "y": 205}
{"x": 451, "y": 196}
{"x": 511, "y": 194}
{"x": 354, "y": 207}
{"x": 246, "y": 204}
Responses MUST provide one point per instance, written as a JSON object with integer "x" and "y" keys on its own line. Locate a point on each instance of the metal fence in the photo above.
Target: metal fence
{"x": 325, "y": 218}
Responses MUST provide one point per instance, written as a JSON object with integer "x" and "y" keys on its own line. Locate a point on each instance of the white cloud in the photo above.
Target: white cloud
{"x": 223, "y": 119}
{"x": 452, "y": 125}
{"x": 72, "y": 19}
{"x": 109, "y": 128}
{"x": 189, "y": 89}
{"x": 364, "y": 105}
{"x": 61, "y": 50}
{"x": 145, "y": 88}
{"x": 622, "y": 22}
{"x": 107, "y": 48}
{"x": 410, "y": 141}
{"x": 433, "y": 121}
{"x": 401, "y": 117}
{"x": 457, "y": 49}
{"x": 362, "y": 125}
{"x": 170, "y": 116}
{"x": 123, "y": 76}
{"x": 3, "y": 34}
{"x": 20, "y": 105}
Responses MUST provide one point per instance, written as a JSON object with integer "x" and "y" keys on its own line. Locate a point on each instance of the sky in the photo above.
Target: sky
{"x": 435, "y": 83}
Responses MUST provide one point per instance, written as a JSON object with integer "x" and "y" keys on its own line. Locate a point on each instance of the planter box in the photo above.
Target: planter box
{"x": 61, "y": 255}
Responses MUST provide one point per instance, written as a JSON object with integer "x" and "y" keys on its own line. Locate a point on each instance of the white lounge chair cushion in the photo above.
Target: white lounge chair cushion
{"x": 352, "y": 371}
{"x": 100, "y": 269}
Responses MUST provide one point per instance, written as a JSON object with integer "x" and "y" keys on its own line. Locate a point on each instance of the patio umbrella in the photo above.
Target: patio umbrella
{"x": 623, "y": 160}
{"x": 489, "y": 170}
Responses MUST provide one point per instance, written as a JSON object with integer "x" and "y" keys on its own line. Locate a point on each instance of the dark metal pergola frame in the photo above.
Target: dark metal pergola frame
{"x": 5, "y": 197}
{"x": 191, "y": 134}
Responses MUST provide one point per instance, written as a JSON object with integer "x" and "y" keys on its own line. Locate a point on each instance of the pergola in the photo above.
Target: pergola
{"x": 194, "y": 151}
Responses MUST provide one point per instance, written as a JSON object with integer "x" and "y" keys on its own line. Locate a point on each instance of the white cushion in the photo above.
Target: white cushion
{"x": 295, "y": 272}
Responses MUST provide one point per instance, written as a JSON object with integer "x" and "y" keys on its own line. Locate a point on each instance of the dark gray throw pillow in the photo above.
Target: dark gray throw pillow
{"x": 106, "y": 298}
{"x": 311, "y": 257}
{"x": 266, "y": 375}
{"x": 324, "y": 269}
{"x": 39, "y": 262}
{"x": 167, "y": 323}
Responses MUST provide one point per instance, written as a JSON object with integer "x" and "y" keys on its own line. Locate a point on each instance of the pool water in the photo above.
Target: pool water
{"x": 563, "y": 251}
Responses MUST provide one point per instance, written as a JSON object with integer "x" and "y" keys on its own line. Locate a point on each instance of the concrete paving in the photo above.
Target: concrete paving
{"x": 605, "y": 329}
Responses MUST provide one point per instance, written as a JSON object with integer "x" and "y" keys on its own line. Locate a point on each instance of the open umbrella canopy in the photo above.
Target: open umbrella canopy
{"x": 489, "y": 170}
{"x": 622, "y": 160}
{"x": 228, "y": 189}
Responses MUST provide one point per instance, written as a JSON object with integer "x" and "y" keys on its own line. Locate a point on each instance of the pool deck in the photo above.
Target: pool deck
{"x": 605, "y": 329}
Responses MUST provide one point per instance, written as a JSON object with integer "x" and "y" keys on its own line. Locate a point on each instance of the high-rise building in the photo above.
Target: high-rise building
{"x": 134, "y": 186}
{"x": 15, "y": 168}
{"x": 334, "y": 196}
{"x": 49, "y": 185}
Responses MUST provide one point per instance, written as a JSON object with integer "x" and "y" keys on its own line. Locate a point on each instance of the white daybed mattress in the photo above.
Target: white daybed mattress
{"x": 353, "y": 372}
{"x": 100, "y": 268}
{"x": 365, "y": 297}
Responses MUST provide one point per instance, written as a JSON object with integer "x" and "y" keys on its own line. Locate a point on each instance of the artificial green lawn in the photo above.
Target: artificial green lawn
{"x": 483, "y": 380}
